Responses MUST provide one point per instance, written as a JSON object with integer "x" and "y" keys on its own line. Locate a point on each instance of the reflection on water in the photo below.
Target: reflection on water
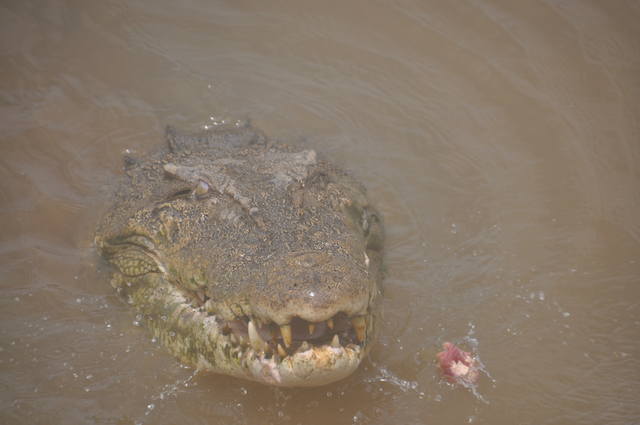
{"x": 500, "y": 140}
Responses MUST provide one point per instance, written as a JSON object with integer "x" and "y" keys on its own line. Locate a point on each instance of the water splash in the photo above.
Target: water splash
{"x": 384, "y": 375}
{"x": 472, "y": 342}
{"x": 168, "y": 390}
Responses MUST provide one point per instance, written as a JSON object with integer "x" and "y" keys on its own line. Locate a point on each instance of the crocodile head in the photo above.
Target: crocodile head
{"x": 248, "y": 257}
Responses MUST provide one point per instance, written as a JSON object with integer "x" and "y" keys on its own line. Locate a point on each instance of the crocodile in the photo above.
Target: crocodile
{"x": 247, "y": 256}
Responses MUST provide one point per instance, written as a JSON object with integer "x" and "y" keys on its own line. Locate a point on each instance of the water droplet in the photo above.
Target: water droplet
{"x": 150, "y": 407}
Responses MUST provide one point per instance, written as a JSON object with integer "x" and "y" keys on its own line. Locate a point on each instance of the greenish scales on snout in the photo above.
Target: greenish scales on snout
{"x": 247, "y": 256}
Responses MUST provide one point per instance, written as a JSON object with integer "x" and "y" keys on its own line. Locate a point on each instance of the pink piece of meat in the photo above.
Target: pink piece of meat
{"x": 457, "y": 365}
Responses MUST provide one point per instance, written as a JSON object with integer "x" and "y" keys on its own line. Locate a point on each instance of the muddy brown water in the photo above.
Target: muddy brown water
{"x": 500, "y": 139}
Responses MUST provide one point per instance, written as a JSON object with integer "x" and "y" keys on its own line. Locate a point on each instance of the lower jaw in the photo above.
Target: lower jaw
{"x": 314, "y": 367}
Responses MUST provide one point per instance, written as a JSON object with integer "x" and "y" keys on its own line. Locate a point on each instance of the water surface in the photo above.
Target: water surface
{"x": 501, "y": 141}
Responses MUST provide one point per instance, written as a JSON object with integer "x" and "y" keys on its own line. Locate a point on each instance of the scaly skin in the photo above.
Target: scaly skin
{"x": 248, "y": 257}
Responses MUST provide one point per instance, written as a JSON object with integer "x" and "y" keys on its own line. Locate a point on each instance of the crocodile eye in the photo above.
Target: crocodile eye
{"x": 201, "y": 189}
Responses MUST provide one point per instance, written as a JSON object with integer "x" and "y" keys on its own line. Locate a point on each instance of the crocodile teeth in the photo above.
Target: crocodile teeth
{"x": 330, "y": 323}
{"x": 312, "y": 328}
{"x": 281, "y": 351}
{"x": 286, "y": 335}
{"x": 304, "y": 347}
{"x": 360, "y": 325}
{"x": 237, "y": 339}
{"x": 335, "y": 342}
{"x": 256, "y": 342}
